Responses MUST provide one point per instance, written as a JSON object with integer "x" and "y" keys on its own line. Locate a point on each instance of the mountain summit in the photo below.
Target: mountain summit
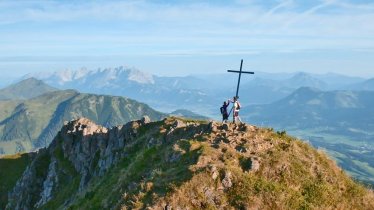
{"x": 182, "y": 164}
{"x": 25, "y": 89}
{"x": 303, "y": 79}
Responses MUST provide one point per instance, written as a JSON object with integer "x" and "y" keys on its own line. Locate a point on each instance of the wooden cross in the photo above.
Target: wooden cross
{"x": 240, "y": 74}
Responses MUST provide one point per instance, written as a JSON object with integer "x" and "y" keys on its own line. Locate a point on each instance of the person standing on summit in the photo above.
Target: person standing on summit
{"x": 225, "y": 115}
{"x": 236, "y": 109}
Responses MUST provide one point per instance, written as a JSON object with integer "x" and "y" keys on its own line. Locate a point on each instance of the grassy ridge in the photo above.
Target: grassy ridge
{"x": 352, "y": 154}
{"x": 177, "y": 171}
{"x": 12, "y": 167}
{"x": 192, "y": 164}
{"x": 28, "y": 125}
{"x": 292, "y": 175}
{"x": 21, "y": 90}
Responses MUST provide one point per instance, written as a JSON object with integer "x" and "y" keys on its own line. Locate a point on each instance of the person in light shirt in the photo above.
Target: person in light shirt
{"x": 236, "y": 109}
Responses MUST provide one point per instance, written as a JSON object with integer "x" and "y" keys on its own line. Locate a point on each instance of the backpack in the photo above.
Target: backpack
{"x": 222, "y": 110}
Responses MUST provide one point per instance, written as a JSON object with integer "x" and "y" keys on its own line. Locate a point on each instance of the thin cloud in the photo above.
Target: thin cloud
{"x": 282, "y": 4}
{"x": 159, "y": 27}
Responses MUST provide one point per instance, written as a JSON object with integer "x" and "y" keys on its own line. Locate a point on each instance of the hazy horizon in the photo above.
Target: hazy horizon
{"x": 172, "y": 38}
{"x": 16, "y": 77}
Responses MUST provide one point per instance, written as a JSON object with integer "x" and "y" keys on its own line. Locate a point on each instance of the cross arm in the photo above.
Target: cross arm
{"x": 246, "y": 72}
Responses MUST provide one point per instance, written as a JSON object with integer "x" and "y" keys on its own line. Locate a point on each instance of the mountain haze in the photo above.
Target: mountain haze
{"x": 305, "y": 80}
{"x": 199, "y": 93}
{"x": 309, "y": 107}
{"x": 367, "y": 85}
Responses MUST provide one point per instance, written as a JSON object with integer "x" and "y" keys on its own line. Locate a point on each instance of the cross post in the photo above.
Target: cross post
{"x": 240, "y": 74}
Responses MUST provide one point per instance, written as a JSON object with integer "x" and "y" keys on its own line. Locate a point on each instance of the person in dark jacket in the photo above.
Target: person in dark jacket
{"x": 225, "y": 115}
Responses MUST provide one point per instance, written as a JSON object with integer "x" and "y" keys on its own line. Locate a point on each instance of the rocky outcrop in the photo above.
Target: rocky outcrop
{"x": 49, "y": 184}
{"x": 81, "y": 150}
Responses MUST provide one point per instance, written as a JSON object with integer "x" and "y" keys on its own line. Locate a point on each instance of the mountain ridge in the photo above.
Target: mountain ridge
{"x": 178, "y": 163}
{"x": 367, "y": 85}
{"x": 29, "y": 124}
{"x": 194, "y": 92}
{"x": 21, "y": 90}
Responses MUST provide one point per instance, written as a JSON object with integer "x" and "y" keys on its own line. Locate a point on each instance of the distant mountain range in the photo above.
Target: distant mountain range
{"x": 365, "y": 85}
{"x": 340, "y": 121}
{"x": 29, "y": 124}
{"x": 309, "y": 107}
{"x": 188, "y": 114}
{"x": 174, "y": 91}
{"x": 199, "y": 93}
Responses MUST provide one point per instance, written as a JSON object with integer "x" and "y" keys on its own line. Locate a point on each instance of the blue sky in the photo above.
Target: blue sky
{"x": 188, "y": 37}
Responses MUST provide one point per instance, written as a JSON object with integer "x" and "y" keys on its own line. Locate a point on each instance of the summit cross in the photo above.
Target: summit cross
{"x": 240, "y": 74}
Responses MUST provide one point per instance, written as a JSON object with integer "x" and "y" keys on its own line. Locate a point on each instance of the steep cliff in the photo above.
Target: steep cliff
{"x": 182, "y": 164}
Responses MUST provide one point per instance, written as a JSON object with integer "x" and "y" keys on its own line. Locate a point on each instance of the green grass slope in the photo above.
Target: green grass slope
{"x": 186, "y": 164}
{"x": 104, "y": 110}
{"x": 23, "y": 121}
{"x": 12, "y": 167}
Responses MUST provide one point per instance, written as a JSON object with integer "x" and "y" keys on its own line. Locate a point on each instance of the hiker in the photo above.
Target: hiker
{"x": 225, "y": 115}
{"x": 236, "y": 108}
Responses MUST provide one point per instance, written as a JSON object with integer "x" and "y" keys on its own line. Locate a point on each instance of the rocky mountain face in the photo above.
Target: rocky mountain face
{"x": 182, "y": 164}
{"x": 27, "y": 125}
{"x": 25, "y": 89}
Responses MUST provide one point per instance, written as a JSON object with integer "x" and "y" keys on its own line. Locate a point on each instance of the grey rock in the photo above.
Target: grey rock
{"x": 255, "y": 164}
{"x": 226, "y": 182}
{"x": 152, "y": 142}
{"x": 174, "y": 157}
{"x": 212, "y": 127}
{"x": 224, "y": 134}
{"x": 168, "y": 207}
{"x": 214, "y": 172}
{"x": 48, "y": 184}
{"x": 225, "y": 127}
{"x": 209, "y": 195}
{"x": 179, "y": 124}
{"x": 145, "y": 120}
